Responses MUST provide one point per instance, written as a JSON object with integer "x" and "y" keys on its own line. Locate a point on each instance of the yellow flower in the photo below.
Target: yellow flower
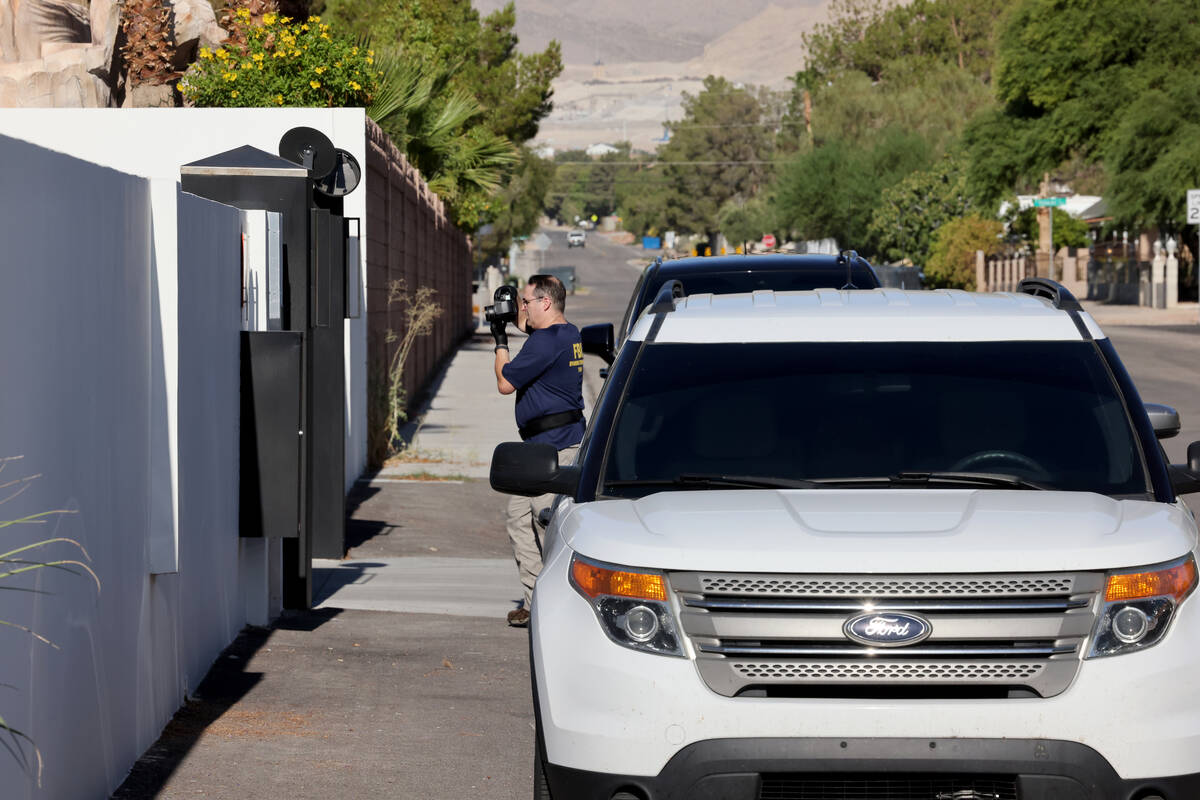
{"x": 315, "y": 84}
{"x": 370, "y": 60}
{"x": 244, "y": 13}
{"x": 278, "y": 99}
{"x": 324, "y": 27}
{"x": 247, "y": 65}
{"x": 370, "y": 52}
{"x": 234, "y": 93}
{"x": 319, "y": 70}
{"x": 229, "y": 76}
{"x": 303, "y": 27}
{"x": 181, "y": 86}
{"x": 205, "y": 52}
{"x": 221, "y": 54}
{"x": 295, "y": 53}
{"x": 314, "y": 19}
{"x": 257, "y": 56}
{"x": 353, "y": 51}
{"x": 269, "y": 18}
{"x": 325, "y": 36}
{"x": 337, "y": 64}
{"x": 354, "y": 86}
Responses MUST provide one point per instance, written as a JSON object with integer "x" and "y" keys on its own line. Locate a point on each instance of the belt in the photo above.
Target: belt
{"x": 549, "y": 422}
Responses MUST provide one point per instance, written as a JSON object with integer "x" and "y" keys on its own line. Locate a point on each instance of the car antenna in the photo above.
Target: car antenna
{"x": 848, "y": 257}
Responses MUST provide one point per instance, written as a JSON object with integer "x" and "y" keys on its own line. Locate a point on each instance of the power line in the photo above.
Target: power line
{"x": 669, "y": 163}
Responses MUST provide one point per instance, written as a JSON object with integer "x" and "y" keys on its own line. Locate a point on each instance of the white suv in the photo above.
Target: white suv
{"x": 866, "y": 544}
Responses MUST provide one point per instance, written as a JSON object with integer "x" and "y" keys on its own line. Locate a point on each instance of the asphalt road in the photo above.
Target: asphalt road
{"x": 352, "y": 703}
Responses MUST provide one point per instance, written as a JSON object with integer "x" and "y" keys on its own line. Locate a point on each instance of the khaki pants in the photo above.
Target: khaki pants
{"x": 525, "y": 532}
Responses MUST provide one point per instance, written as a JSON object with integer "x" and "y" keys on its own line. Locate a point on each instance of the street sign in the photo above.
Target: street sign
{"x": 1043, "y": 202}
{"x": 1193, "y": 197}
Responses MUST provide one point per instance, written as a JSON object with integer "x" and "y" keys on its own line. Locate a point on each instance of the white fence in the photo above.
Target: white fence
{"x": 84, "y": 401}
{"x": 119, "y": 387}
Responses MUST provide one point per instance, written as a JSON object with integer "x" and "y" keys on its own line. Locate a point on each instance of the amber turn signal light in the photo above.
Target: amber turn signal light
{"x": 1175, "y": 581}
{"x": 594, "y": 580}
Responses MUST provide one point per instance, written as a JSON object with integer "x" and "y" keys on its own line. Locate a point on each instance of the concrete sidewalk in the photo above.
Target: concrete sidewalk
{"x": 404, "y": 681}
{"x": 1107, "y": 314}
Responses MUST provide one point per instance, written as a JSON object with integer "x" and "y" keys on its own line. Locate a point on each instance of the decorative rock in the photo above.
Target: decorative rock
{"x": 195, "y": 27}
{"x": 161, "y": 96}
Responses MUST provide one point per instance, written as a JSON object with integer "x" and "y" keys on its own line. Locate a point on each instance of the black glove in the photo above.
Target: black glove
{"x": 500, "y": 334}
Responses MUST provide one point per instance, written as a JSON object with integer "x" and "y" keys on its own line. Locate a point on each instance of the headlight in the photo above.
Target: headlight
{"x": 1138, "y": 606}
{"x": 631, "y": 605}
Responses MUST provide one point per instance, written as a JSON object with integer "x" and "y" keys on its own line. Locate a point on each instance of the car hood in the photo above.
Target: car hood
{"x": 877, "y": 531}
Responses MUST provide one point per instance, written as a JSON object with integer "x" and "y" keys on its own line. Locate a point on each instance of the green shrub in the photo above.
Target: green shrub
{"x": 283, "y": 63}
{"x": 951, "y": 262}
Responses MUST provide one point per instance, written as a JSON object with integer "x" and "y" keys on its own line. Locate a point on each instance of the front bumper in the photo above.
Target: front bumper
{"x": 734, "y": 769}
{"x": 606, "y": 709}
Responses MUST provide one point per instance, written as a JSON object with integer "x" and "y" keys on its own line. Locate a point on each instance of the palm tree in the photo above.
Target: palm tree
{"x": 460, "y": 161}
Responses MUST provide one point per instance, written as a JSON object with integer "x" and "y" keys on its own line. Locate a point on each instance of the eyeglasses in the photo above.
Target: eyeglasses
{"x": 527, "y": 300}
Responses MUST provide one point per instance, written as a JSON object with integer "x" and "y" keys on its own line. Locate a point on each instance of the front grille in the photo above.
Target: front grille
{"x": 887, "y": 787}
{"x": 975, "y": 586}
{"x": 1003, "y": 633}
{"x": 920, "y": 672}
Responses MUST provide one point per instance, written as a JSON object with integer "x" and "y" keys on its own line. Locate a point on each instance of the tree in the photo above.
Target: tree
{"x": 515, "y": 209}
{"x": 951, "y": 262}
{"x": 909, "y": 212}
{"x": 514, "y": 89}
{"x": 1068, "y": 231}
{"x": 1086, "y": 99}
{"x": 744, "y": 221}
{"x": 483, "y": 95}
{"x": 643, "y": 198}
{"x": 717, "y": 151}
{"x": 833, "y": 190}
{"x": 1153, "y": 157}
{"x": 875, "y": 37}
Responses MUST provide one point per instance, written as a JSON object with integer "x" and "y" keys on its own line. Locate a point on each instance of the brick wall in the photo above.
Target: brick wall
{"x": 410, "y": 237}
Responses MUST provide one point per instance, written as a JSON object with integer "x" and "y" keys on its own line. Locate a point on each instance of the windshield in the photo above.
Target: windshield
{"x": 908, "y": 414}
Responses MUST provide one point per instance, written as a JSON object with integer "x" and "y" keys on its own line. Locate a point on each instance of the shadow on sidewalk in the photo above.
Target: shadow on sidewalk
{"x": 327, "y": 581}
{"x": 226, "y": 683}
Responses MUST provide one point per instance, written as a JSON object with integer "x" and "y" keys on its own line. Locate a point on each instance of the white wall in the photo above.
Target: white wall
{"x": 79, "y": 366}
{"x": 155, "y": 142}
{"x": 119, "y": 378}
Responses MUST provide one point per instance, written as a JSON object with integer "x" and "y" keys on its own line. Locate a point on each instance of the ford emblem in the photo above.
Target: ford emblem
{"x": 890, "y": 629}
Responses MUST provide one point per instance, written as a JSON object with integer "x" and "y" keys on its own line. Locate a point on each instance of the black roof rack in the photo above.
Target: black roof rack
{"x": 668, "y": 293}
{"x": 1052, "y": 290}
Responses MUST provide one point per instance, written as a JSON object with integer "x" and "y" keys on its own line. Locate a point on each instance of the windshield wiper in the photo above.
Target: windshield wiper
{"x": 697, "y": 480}
{"x": 902, "y": 480}
{"x": 916, "y": 479}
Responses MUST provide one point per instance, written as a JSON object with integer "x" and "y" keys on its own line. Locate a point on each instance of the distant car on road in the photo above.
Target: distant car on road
{"x": 730, "y": 275}
{"x": 576, "y": 239}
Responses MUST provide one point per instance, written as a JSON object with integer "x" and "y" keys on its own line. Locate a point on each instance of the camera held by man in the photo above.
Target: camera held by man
{"x": 505, "y": 310}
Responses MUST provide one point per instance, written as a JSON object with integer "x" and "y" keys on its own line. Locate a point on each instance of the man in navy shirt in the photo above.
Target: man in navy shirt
{"x": 547, "y": 377}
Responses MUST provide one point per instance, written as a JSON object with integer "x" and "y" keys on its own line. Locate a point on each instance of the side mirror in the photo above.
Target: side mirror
{"x": 599, "y": 340}
{"x": 1164, "y": 420}
{"x": 530, "y": 469}
{"x": 1185, "y": 478}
